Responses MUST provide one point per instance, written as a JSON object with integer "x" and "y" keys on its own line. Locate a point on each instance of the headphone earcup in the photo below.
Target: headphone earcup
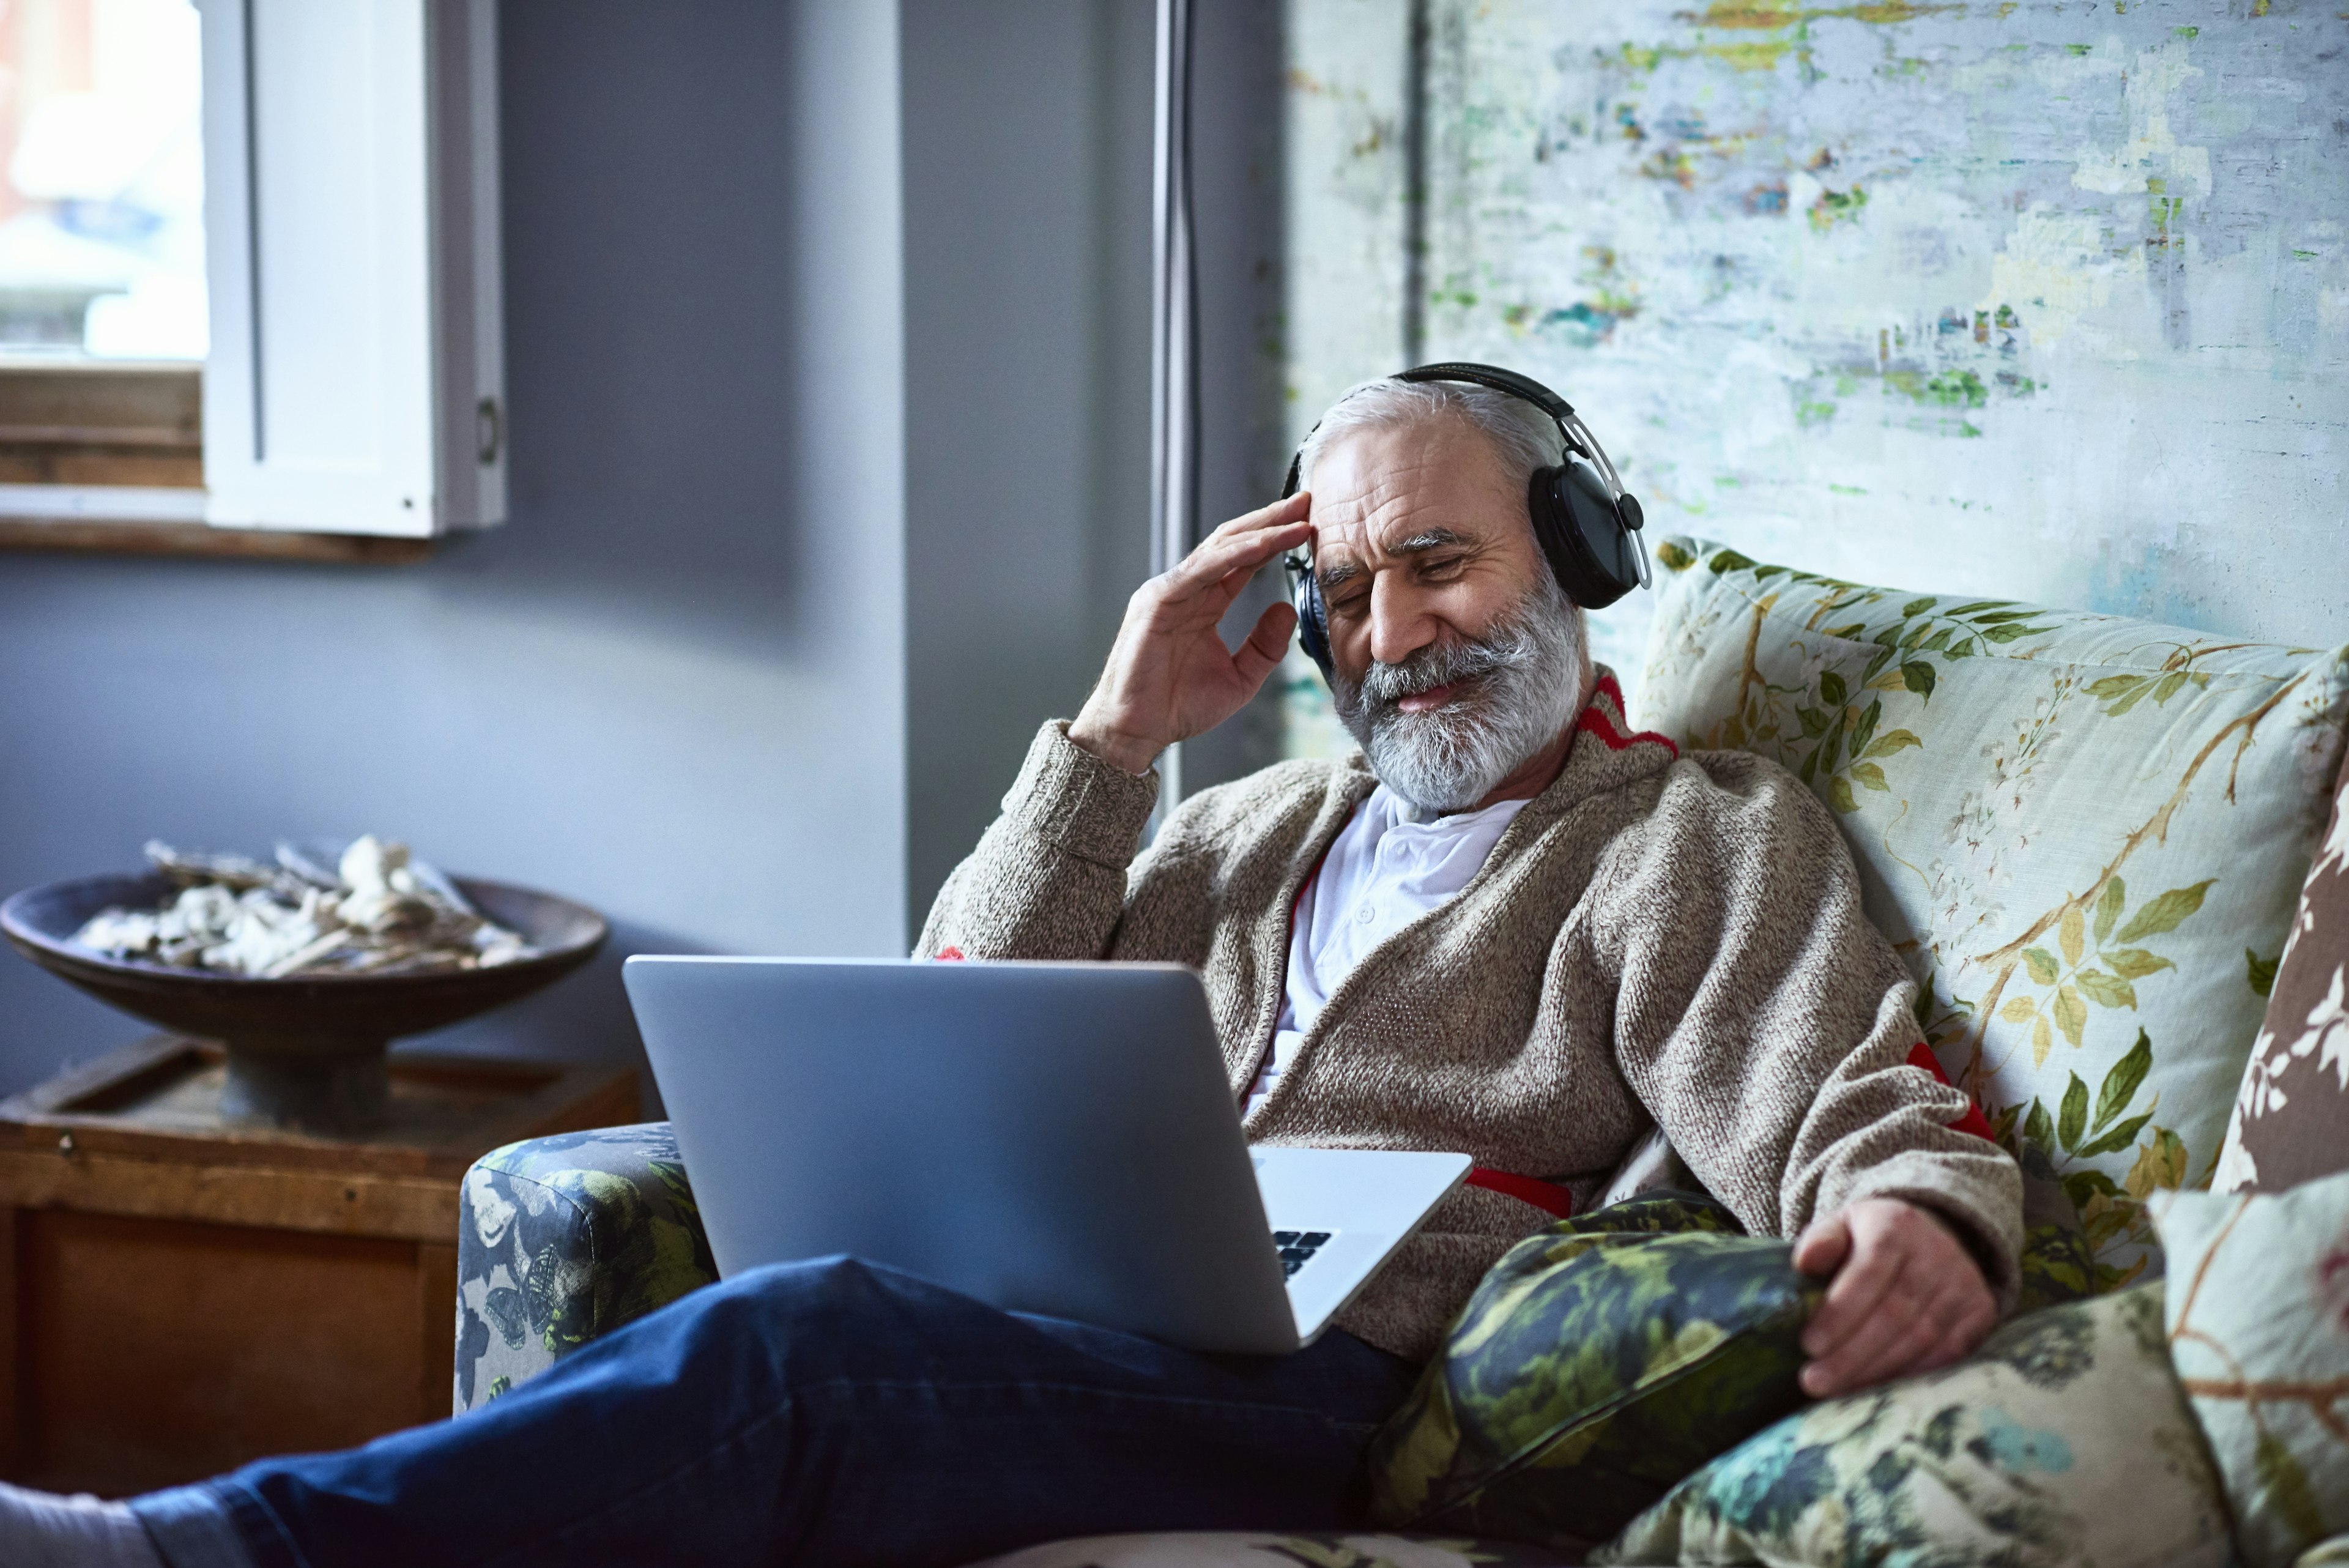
{"x": 1312, "y": 624}
{"x": 1584, "y": 534}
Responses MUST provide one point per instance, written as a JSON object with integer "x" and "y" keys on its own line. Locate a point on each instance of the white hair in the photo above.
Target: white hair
{"x": 1523, "y": 436}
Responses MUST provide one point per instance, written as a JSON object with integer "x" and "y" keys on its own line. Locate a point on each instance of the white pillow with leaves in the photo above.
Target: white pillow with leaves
{"x": 2257, "y": 1309}
{"x": 2083, "y": 833}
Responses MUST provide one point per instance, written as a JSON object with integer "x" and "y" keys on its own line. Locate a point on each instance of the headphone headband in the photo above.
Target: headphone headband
{"x": 1492, "y": 378}
{"x": 1571, "y": 431}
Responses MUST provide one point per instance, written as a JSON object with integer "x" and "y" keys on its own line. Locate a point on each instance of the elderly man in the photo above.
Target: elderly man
{"x": 1511, "y": 927}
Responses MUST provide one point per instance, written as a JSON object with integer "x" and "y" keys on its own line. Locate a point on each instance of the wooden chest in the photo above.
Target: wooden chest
{"x": 178, "y": 1295}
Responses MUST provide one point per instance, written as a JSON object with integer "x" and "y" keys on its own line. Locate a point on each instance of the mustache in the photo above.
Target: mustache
{"x": 1438, "y": 664}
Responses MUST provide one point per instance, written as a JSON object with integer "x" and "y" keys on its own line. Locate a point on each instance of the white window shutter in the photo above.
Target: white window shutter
{"x": 355, "y": 382}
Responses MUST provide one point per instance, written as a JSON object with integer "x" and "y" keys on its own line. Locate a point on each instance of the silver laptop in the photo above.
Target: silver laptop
{"x": 1055, "y": 1138}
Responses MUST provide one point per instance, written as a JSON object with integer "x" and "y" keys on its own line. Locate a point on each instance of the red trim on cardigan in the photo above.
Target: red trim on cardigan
{"x": 1595, "y": 722}
{"x": 1921, "y": 1055}
{"x": 1545, "y": 1196}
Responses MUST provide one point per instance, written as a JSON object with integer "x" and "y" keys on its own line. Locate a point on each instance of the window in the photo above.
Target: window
{"x": 249, "y": 288}
{"x": 102, "y": 202}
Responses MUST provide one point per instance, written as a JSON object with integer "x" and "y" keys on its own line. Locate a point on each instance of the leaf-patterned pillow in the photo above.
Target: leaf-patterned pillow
{"x": 2257, "y": 1314}
{"x": 2083, "y": 833}
{"x": 2291, "y": 1117}
{"x": 2064, "y": 1439}
{"x": 1598, "y": 1362}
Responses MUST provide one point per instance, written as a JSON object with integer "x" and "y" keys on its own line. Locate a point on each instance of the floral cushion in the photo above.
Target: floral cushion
{"x": 2065, "y": 1440}
{"x": 562, "y": 1240}
{"x": 1598, "y": 1362}
{"x": 2258, "y": 1299}
{"x": 2292, "y": 1117}
{"x": 1267, "y": 1549}
{"x": 2083, "y": 833}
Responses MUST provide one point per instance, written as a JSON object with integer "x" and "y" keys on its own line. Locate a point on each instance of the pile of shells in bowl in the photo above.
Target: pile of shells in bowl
{"x": 371, "y": 909}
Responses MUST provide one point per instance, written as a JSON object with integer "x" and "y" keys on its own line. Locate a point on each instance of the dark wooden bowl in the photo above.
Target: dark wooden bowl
{"x": 305, "y": 1051}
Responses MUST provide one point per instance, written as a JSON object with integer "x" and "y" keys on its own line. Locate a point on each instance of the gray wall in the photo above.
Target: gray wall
{"x": 670, "y": 685}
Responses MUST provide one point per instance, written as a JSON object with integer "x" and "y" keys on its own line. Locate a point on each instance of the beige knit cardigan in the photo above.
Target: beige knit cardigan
{"x": 1659, "y": 938}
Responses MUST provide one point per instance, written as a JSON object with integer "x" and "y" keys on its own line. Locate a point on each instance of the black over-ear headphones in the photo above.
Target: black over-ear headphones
{"x": 1586, "y": 522}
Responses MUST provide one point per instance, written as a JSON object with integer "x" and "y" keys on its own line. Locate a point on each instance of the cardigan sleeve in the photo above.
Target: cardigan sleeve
{"x": 1766, "y": 1025}
{"x": 1047, "y": 879}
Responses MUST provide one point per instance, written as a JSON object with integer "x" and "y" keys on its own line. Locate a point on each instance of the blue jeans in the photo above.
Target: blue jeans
{"x": 824, "y": 1412}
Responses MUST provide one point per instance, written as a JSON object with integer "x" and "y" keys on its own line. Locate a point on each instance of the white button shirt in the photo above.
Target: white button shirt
{"x": 1384, "y": 871}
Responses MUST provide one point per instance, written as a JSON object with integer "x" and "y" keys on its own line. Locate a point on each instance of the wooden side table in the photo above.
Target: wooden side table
{"x": 179, "y": 1295}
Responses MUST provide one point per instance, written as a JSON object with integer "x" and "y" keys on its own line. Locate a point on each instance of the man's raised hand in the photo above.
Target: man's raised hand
{"x": 1905, "y": 1296}
{"x": 1169, "y": 675}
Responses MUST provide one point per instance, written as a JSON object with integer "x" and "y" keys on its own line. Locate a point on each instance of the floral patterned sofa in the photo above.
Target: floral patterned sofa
{"x": 2085, "y": 834}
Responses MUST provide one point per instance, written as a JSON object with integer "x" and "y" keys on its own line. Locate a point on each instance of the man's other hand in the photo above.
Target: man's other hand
{"x": 1170, "y": 677}
{"x": 1905, "y": 1296}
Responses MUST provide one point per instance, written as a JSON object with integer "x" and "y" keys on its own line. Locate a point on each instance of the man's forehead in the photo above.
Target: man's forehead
{"x": 1398, "y": 498}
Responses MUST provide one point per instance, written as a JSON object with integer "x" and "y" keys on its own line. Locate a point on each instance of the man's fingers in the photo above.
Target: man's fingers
{"x": 1852, "y": 1340}
{"x": 1235, "y": 582}
{"x": 1911, "y": 1325}
{"x": 1265, "y": 644}
{"x": 1242, "y": 546}
{"x": 1910, "y": 1328}
{"x": 1858, "y": 1286}
{"x": 1223, "y": 555}
{"x": 1161, "y": 682}
{"x": 1888, "y": 1347}
{"x": 1904, "y": 1297}
{"x": 1820, "y": 1249}
{"x": 1944, "y": 1327}
{"x": 1289, "y": 509}
{"x": 1914, "y": 1329}
{"x": 1970, "y": 1326}
{"x": 1967, "y": 1335}
{"x": 1279, "y": 516}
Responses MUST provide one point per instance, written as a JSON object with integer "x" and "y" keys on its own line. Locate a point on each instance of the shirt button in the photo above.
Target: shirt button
{"x": 1364, "y": 914}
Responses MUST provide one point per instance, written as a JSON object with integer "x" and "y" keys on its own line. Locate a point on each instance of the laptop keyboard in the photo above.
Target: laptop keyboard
{"x": 1297, "y": 1247}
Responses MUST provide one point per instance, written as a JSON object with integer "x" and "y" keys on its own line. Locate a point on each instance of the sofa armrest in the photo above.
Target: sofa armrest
{"x": 562, "y": 1240}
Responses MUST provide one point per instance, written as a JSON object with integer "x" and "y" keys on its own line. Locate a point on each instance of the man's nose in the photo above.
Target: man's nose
{"x": 1399, "y": 623}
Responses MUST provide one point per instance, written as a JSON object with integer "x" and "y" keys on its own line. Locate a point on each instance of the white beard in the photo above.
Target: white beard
{"x": 1521, "y": 680}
